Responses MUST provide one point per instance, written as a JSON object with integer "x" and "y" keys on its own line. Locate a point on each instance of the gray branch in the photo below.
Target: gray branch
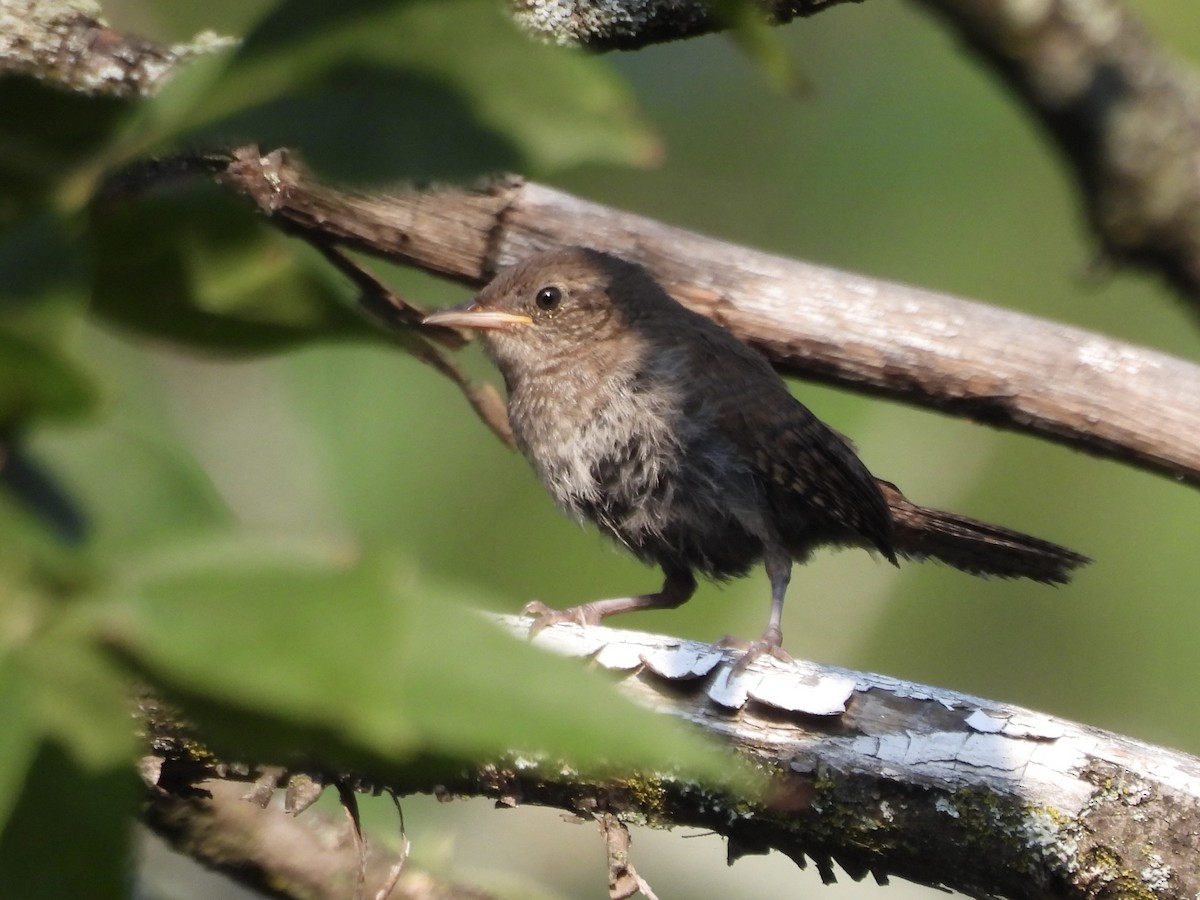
{"x": 68, "y": 43}
{"x": 999, "y": 367}
{"x": 888, "y": 777}
{"x": 878, "y": 776}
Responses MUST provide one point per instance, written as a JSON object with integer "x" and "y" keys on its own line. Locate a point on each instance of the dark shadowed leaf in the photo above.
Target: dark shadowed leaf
{"x": 36, "y": 382}
{"x": 47, "y": 132}
{"x": 43, "y": 279}
{"x": 49, "y": 517}
{"x": 19, "y": 736}
{"x": 42, "y": 292}
{"x": 294, "y": 22}
{"x": 428, "y": 89}
{"x": 367, "y": 122}
{"x": 195, "y": 266}
{"x": 69, "y": 833}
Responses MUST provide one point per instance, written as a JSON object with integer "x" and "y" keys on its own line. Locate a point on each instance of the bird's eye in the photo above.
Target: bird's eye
{"x": 548, "y": 299}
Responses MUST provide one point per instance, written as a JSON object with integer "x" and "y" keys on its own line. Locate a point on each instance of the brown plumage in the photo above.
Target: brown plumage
{"x": 683, "y": 444}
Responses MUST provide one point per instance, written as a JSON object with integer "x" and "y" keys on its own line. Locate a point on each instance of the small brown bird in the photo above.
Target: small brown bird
{"x": 683, "y": 444}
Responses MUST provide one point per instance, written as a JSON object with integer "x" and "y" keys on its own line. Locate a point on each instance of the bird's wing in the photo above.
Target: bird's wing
{"x": 817, "y": 487}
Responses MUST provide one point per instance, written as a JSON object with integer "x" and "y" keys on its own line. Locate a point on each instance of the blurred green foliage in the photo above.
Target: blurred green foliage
{"x": 216, "y": 477}
{"x": 122, "y": 556}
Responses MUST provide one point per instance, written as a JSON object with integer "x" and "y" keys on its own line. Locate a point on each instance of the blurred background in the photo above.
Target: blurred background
{"x": 900, "y": 158}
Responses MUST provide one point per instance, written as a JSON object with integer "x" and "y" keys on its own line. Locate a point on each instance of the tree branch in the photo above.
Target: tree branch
{"x": 1124, "y": 113}
{"x": 223, "y": 816}
{"x": 877, "y": 775}
{"x": 70, "y": 44}
{"x": 601, "y": 26}
{"x": 1002, "y": 368}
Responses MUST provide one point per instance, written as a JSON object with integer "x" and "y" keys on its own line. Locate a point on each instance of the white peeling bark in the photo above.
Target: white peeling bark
{"x": 930, "y": 784}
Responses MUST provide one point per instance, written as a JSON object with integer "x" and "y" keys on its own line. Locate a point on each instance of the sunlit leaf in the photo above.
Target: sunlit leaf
{"x": 66, "y": 728}
{"x": 356, "y": 647}
{"x": 82, "y": 699}
{"x": 137, "y": 488}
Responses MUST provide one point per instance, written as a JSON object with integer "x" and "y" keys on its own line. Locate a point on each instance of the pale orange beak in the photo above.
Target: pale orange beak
{"x": 471, "y": 316}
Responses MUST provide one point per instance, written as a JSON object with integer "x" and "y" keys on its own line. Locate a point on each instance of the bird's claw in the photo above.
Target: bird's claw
{"x": 544, "y": 616}
{"x": 767, "y": 645}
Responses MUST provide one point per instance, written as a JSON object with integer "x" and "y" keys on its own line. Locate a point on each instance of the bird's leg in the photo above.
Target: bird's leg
{"x": 779, "y": 573}
{"x": 678, "y": 586}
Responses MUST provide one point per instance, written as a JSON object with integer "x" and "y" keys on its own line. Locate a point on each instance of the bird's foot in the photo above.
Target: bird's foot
{"x": 544, "y": 616}
{"x": 770, "y": 644}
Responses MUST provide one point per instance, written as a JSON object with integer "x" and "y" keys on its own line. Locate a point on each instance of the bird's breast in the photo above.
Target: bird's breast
{"x": 591, "y": 440}
{"x": 666, "y": 486}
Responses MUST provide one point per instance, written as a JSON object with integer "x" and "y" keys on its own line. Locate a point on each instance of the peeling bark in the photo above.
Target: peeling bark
{"x": 879, "y": 776}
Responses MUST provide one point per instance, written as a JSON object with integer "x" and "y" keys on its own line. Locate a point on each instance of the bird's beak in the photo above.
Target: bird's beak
{"x": 470, "y": 315}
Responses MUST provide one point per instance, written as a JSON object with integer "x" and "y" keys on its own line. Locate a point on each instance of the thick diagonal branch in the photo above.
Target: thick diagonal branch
{"x": 1002, "y": 368}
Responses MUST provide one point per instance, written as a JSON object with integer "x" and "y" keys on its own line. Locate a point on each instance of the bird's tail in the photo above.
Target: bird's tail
{"x": 974, "y": 546}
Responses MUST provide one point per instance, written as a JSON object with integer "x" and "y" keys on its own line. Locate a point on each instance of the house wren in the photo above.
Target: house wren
{"x": 683, "y": 444}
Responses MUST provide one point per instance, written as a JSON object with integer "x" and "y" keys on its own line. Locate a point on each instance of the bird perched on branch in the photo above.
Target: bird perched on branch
{"x": 683, "y": 444}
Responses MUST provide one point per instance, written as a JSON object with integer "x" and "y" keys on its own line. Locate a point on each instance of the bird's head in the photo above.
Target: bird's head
{"x": 555, "y": 308}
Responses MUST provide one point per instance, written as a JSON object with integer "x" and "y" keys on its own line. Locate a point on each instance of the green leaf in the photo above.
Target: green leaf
{"x": 69, "y": 833}
{"x": 36, "y": 382}
{"x": 47, "y": 134}
{"x": 374, "y": 123}
{"x": 195, "y": 266}
{"x": 42, "y": 277}
{"x": 20, "y": 734}
{"x": 39, "y": 518}
{"x": 137, "y": 486}
{"x": 296, "y": 22}
{"x": 43, "y": 280}
{"x": 51, "y": 667}
{"x": 420, "y": 89}
{"x": 561, "y": 106}
{"x": 757, "y": 38}
{"x": 54, "y": 685}
{"x": 82, "y": 700}
{"x": 353, "y": 646}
